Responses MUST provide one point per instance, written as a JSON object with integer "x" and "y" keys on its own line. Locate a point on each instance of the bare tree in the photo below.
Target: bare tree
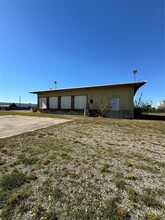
{"x": 102, "y": 105}
{"x": 142, "y": 106}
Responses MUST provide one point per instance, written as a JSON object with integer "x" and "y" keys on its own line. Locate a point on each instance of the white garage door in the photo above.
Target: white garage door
{"x": 53, "y": 102}
{"x": 42, "y": 103}
{"x": 80, "y": 102}
{"x": 66, "y": 102}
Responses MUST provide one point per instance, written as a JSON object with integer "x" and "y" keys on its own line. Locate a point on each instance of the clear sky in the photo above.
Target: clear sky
{"x": 80, "y": 43}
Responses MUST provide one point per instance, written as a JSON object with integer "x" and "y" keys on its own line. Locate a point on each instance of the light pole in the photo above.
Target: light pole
{"x": 55, "y": 82}
{"x": 19, "y": 101}
{"x": 134, "y": 72}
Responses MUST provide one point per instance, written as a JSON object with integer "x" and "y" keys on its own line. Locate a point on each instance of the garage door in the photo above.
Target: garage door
{"x": 65, "y": 102}
{"x": 80, "y": 102}
{"x": 42, "y": 103}
{"x": 53, "y": 102}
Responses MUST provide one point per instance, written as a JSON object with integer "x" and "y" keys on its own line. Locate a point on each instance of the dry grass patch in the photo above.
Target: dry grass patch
{"x": 90, "y": 168}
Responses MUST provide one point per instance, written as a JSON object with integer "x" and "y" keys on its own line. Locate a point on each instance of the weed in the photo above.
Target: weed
{"x": 103, "y": 168}
{"x": 142, "y": 157}
{"x": 49, "y": 190}
{"x": 128, "y": 163}
{"x": 51, "y": 215}
{"x": 2, "y": 162}
{"x": 38, "y": 211}
{"x": 132, "y": 194}
{"x": 151, "y": 216}
{"x": 66, "y": 156}
{"x": 27, "y": 160}
{"x": 130, "y": 176}
{"x": 148, "y": 168}
{"x": 110, "y": 210}
{"x": 119, "y": 175}
{"x": 120, "y": 184}
{"x": 82, "y": 213}
{"x": 3, "y": 197}
{"x": 14, "y": 200}
{"x": 32, "y": 176}
{"x": 123, "y": 214}
{"x": 46, "y": 162}
{"x": 149, "y": 198}
{"x": 12, "y": 180}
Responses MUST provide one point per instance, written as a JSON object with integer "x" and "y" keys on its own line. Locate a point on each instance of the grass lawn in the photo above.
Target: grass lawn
{"x": 159, "y": 114}
{"x": 89, "y": 168}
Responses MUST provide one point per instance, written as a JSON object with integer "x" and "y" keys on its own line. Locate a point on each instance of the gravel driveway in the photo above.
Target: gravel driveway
{"x": 11, "y": 125}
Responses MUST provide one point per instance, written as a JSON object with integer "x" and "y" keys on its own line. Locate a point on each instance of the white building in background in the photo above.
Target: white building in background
{"x": 161, "y": 103}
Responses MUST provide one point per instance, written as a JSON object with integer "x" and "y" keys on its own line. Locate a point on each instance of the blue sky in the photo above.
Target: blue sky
{"x": 80, "y": 43}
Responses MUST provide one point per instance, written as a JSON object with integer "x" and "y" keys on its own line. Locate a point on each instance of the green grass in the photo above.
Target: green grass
{"x": 12, "y": 180}
{"x": 89, "y": 168}
{"x": 35, "y": 114}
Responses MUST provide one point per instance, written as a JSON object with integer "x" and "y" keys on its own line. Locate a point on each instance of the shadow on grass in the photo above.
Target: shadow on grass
{"x": 150, "y": 117}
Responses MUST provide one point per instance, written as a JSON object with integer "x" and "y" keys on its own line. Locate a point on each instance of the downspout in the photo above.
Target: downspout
{"x": 38, "y": 101}
{"x": 133, "y": 93}
{"x": 132, "y": 101}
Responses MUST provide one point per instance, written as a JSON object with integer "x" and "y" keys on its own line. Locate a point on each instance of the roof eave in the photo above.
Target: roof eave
{"x": 136, "y": 86}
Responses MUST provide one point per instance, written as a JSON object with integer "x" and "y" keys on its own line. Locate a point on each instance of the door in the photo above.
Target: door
{"x": 115, "y": 104}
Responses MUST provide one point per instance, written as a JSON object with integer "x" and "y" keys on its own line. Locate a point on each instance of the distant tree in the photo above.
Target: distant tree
{"x": 161, "y": 106}
{"x": 13, "y": 106}
{"x": 142, "y": 106}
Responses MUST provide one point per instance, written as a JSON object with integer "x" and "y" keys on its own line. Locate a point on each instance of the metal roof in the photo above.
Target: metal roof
{"x": 136, "y": 85}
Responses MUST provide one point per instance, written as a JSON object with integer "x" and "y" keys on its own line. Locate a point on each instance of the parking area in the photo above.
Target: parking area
{"x": 11, "y": 125}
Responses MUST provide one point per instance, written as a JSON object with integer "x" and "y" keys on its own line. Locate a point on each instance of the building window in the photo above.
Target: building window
{"x": 91, "y": 101}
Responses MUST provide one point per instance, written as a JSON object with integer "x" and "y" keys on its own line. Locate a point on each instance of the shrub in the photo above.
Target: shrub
{"x": 142, "y": 106}
{"x": 12, "y": 180}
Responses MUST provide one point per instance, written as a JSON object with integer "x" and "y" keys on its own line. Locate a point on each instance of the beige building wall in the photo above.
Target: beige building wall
{"x": 123, "y": 95}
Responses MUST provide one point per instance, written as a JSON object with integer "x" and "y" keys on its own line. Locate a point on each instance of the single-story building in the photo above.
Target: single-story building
{"x": 116, "y": 101}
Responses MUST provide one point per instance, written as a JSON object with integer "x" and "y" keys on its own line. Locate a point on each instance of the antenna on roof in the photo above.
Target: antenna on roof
{"x": 134, "y": 72}
{"x": 55, "y": 82}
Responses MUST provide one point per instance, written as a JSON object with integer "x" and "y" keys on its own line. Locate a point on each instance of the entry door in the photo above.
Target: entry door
{"x": 115, "y": 104}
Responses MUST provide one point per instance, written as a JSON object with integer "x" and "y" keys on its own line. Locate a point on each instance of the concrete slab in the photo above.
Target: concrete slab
{"x": 11, "y": 125}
